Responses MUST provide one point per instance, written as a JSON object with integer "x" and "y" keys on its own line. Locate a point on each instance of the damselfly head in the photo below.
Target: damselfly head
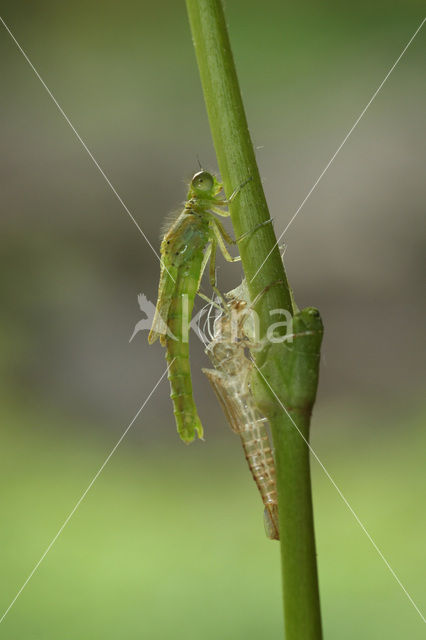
{"x": 204, "y": 185}
{"x": 202, "y": 181}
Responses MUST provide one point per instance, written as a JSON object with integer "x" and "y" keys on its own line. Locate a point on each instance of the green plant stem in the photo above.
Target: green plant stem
{"x": 237, "y": 162}
{"x": 235, "y": 152}
{"x": 296, "y": 366}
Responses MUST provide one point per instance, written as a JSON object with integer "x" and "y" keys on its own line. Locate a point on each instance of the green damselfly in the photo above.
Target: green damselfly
{"x": 186, "y": 248}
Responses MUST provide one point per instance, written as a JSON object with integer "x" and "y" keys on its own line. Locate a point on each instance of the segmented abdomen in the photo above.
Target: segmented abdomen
{"x": 246, "y": 420}
{"x": 260, "y": 458}
{"x": 177, "y": 351}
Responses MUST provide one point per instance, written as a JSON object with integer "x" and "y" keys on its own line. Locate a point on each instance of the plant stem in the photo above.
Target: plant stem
{"x": 235, "y": 152}
{"x": 237, "y": 162}
{"x": 295, "y": 366}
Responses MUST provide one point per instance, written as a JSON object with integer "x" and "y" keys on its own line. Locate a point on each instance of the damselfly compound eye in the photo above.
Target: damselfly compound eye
{"x": 202, "y": 181}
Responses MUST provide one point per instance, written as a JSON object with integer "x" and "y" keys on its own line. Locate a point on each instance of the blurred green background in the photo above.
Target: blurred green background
{"x": 169, "y": 542}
